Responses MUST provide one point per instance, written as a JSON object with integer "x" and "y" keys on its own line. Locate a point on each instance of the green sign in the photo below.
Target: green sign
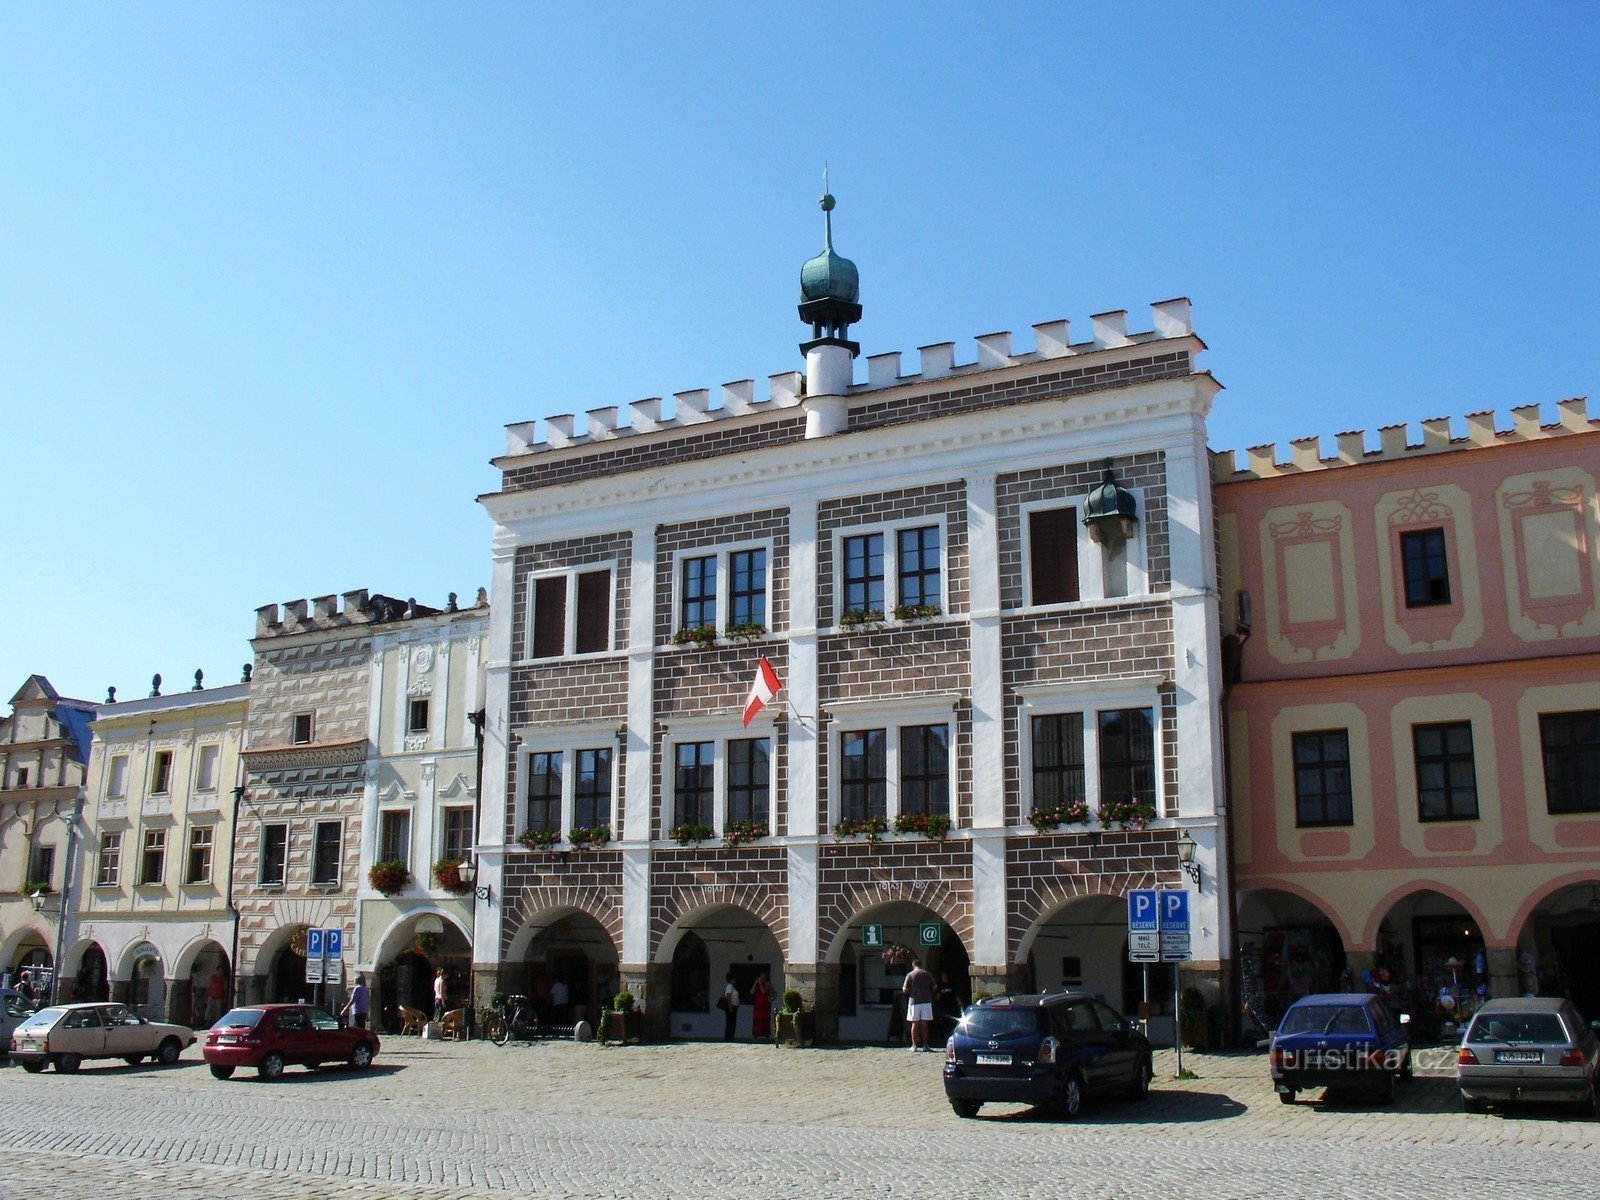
{"x": 872, "y": 935}
{"x": 930, "y": 933}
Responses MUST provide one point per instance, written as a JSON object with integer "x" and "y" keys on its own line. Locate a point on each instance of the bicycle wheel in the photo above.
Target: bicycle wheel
{"x": 497, "y": 1029}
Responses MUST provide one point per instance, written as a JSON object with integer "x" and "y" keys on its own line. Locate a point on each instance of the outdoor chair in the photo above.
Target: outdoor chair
{"x": 454, "y": 1025}
{"x": 411, "y": 1020}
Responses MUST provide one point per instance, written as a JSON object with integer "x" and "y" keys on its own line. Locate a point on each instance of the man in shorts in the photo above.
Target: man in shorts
{"x": 918, "y": 991}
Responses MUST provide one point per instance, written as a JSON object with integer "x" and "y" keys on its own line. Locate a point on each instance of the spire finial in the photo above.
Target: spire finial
{"x": 826, "y": 203}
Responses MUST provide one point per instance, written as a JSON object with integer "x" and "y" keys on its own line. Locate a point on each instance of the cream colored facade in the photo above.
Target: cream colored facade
{"x": 420, "y": 800}
{"x": 154, "y": 923}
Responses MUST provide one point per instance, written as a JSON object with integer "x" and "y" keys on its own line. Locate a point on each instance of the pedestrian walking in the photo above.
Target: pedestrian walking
{"x": 918, "y": 991}
{"x": 359, "y": 1004}
{"x": 729, "y": 1004}
{"x": 440, "y": 994}
{"x": 761, "y": 1010}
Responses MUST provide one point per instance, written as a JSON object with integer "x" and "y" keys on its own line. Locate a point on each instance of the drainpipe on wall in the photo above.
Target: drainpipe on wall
{"x": 233, "y": 848}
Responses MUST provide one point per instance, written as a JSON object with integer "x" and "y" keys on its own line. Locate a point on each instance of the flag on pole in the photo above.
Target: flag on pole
{"x": 764, "y": 688}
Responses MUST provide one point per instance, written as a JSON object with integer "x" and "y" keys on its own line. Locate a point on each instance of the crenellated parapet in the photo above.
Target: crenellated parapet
{"x": 353, "y": 608}
{"x": 1439, "y": 434}
{"x": 1170, "y": 321}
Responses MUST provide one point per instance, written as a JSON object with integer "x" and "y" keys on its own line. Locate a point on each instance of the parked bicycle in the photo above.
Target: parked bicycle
{"x": 512, "y": 1017}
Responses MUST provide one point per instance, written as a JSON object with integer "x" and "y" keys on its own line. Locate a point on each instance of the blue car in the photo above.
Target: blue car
{"x": 1053, "y": 1049}
{"x": 1340, "y": 1040}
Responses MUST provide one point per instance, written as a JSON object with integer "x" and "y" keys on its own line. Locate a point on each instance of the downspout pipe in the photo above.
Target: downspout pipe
{"x": 233, "y": 848}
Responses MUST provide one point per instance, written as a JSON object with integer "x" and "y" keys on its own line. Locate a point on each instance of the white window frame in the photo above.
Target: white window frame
{"x": 188, "y": 855}
{"x": 411, "y": 832}
{"x": 200, "y": 785}
{"x": 439, "y": 831}
{"x": 1089, "y": 700}
{"x": 566, "y": 740}
{"x": 891, "y": 562}
{"x": 172, "y": 763}
{"x": 1091, "y": 557}
{"x": 144, "y": 850}
{"x": 719, "y": 731}
{"x": 261, "y": 857}
{"x": 570, "y": 633}
{"x": 411, "y": 727}
{"x": 853, "y": 716}
{"x": 113, "y": 781}
{"x": 722, "y": 552}
{"x": 100, "y": 861}
{"x": 338, "y": 859}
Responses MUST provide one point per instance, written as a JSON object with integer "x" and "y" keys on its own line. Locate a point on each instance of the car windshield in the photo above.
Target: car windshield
{"x": 42, "y": 1019}
{"x": 1326, "y": 1018}
{"x": 1000, "y": 1022}
{"x": 241, "y": 1018}
{"x": 1543, "y": 1028}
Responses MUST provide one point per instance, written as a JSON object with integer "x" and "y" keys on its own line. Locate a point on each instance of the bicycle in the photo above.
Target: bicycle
{"x": 511, "y": 1016}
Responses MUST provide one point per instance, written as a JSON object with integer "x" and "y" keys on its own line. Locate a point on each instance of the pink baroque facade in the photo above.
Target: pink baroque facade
{"x": 1413, "y": 710}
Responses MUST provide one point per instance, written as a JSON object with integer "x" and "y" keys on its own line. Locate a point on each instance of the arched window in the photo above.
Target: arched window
{"x": 691, "y": 975}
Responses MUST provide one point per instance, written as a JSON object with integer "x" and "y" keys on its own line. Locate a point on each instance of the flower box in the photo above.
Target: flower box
{"x": 870, "y": 828}
{"x": 934, "y": 826}
{"x": 389, "y": 876}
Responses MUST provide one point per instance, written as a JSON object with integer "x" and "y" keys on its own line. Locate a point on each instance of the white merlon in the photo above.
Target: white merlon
{"x": 1394, "y": 442}
{"x": 324, "y": 608}
{"x": 943, "y": 360}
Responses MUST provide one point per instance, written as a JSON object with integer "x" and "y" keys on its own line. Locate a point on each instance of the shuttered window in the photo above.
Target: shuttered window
{"x": 594, "y": 612}
{"x": 1053, "y": 555}
{"x": 550, "y": 616}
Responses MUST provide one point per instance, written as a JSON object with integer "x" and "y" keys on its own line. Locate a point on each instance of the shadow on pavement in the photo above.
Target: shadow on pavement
{"x": 328, "y": 1074}
{"x": 1162, "y": 1108}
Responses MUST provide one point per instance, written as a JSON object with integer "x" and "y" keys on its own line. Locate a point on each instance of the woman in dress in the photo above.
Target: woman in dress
{"x": 761, "y": 1010}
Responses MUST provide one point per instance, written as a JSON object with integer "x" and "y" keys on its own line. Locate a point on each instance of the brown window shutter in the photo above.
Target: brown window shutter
{"x": 594, "y": 612}
{"x": 1053, "y": 554}
{"x": 550, "y": 616}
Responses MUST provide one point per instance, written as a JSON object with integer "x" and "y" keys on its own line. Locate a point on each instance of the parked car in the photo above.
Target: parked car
{"x": 270, "y": 1037}
{"x": 1537, "y": 1048}
{"x": 1340, "y": 1040}
{"x": 14, "y": 1009}
{"x": 66, "y": 1034}
{"x": 1056, "y": 1049}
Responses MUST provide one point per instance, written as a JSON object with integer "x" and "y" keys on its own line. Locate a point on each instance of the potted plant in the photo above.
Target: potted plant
{"x": 623, "y": 1023}
{"x": 389, "y": 875}
{"x": 539, "y": 839}
{"x": 870, "y": 828}
{"x": 1053, "y": 816}
{"x": 796, "y": 1024}
{"x": 447, "y": 875}
{"x": 746, "y": 631}
{"x": 742, "y": 833}
{"x": 896, "y": 956}
{"x": 934, "y": 826}
{"x": 861, "y": 618}
{"x": 701, "y": 636}
{"x": 690, "y": 833}
{"x": 587, "y": 837}
{"x": 37, "y": 888}
{"x": 427, "y": 943}
{"x": 916, "y": 612}
{"x": 1131, "y": 813}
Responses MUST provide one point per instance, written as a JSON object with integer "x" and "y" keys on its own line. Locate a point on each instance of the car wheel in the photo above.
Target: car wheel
{"x": 1143, "y": 1073}
{"x": 1069, "y": 1100}
{"x": 221, "y": 1071}
{"x": 1471, "y": 1104}
{"x": 966, "y": 1109}
{"x": 1286, "y": 1097}
{"x": 167, "y": 1053}
{"x": 68, "y": 1063}
{"x": 361, "y": 1056}
{"x": 33, "y": 1068}
{"x": 133, "y": 1060}
{"x": 1384, "y": 1092}
{"x": 272, "y": 1066}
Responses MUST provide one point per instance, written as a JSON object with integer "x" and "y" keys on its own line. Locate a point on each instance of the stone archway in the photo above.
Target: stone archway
{"x": 1290, "y": 946}
{"x": 695, "y": 960}
{"x": 866, "y": 1004}
{"x": 566, "y": 962}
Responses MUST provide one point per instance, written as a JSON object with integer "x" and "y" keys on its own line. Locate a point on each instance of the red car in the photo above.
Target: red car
{"x": 271, "y": 1036}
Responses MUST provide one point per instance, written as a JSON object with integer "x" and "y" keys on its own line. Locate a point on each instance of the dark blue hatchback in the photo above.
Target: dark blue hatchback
{"x": 1055, "y": 1049}
{"x": 1340, "y": 1040}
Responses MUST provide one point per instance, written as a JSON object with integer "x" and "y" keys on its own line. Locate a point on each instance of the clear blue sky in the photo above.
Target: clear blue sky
{"x": 273, "y": 277}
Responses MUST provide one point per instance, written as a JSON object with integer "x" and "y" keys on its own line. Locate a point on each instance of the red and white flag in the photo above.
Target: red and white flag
{"x": 764, "y": 688}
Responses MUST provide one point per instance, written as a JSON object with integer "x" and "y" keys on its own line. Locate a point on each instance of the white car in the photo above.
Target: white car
{"x": 66, "y": 1034}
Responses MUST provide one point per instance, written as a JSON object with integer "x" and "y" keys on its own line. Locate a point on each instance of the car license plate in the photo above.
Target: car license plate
{"x": 1519, "y": 1056}
{"x": 994, "y": 1060}
{"x": 27, "y": 1046}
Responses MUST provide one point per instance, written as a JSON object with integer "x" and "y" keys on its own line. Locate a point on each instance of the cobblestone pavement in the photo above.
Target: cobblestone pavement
{"x": 466, "y": 1121}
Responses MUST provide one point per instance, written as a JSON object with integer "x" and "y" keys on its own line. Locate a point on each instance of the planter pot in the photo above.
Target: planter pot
{"x": 795, "y": 1029}
{"x": 622, "y": 1027}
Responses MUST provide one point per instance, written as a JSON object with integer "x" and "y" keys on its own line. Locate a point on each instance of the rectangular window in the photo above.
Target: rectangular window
{"x": 161, "y": 773}
{"x": 205, "y": 776}
{"x": 594, "y": 612}
{"x": 394, "y": 836}
{"x": 274, "y": 855}
{"x": 326, "y": 853}
{"x": 1053, "y": 555}
{"x": 591, "y": 789}
{"x": 863, "y": 573}
{"x": 1447, "y": 786}
{"x": 864, "y": 774}
{"x": 698, "y": 592}
{"x": 117, "y": 779}
{"x": 1127, "y": 755}
{"x": 1058, "y": 770}
{"x": 22, "y": 777}
{"x": 301, "y": 734}
{"x": 110, "y": 870}
{"x": 1322, "y": 778}
{"x": 1426, "y": 569}
{"x": 199, "y": 855}
{"x": 457, "y": 833}
{"x": 153, "y": 864}
{"x": 417, "y": 716}
{"x": 918, "y": 566}
{"x": 550, "y": 616}
{"x": 749, "y": 779}
{"x": 1571, "y": 742}
{"x": 747, "y": 587}
{"x": 925, "y": 769}
{"x": 544, "y": 792}
{"x": 43, "y": 869}
{"x": 693, "y": 784}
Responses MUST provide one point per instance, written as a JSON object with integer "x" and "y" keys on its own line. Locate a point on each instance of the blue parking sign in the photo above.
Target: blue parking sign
{"x": 313, "y": 943}
{"x": 1174, "y": 911}
{"x": 1143, "y": 915}
{"x": 333, "y": 943}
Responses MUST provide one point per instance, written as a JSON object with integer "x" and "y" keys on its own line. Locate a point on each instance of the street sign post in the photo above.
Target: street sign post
{"x": 930, "y": 933}
{"x": 314, "y": 956}
{"x": 872, "y": 936}
{"x": 333, "y": 943}
{"x": 1174, "y": 910}
{"x": 1143, "y": 912}
{"x": 1174, "y": 926}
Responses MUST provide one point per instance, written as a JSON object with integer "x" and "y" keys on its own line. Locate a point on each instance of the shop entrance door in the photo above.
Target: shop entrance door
{"x": 1580, "y": 966}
